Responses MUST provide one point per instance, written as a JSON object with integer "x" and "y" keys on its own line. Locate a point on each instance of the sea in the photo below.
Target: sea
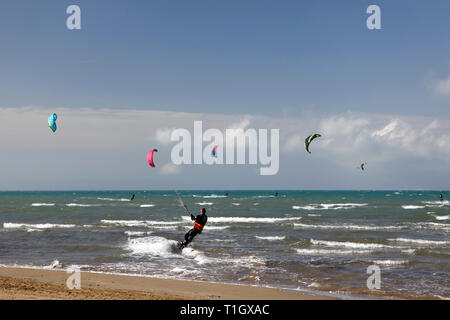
{"x": 347, "y": 244}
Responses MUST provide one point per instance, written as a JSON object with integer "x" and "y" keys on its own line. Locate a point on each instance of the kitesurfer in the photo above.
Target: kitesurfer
{"x": 441, "y": 197}
{"x": 132, "y": 197}
{"x": 200, "y": 221}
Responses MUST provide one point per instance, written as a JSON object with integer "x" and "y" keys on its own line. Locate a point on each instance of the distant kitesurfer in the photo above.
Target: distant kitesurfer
{"x": 276, "y": 194}
{"x": 226, "y": 194}
{"x": 132, "y": 197}
{"x": 442, "y": 197}
{"x": 200, "y": 221}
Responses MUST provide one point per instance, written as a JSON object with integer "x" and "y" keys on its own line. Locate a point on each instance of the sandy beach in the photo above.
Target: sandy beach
{"x": 38, "y": 284}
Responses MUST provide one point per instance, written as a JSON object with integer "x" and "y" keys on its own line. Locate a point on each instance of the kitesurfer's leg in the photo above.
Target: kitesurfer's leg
{"x": 188, "y": 237}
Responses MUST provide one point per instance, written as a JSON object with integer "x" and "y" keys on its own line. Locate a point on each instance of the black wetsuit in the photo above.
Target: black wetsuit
{"x": 199, "y": 219}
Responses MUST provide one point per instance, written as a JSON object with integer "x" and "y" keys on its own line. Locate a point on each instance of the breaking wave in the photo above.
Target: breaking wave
{"x": 327, "y": 251}
{"x": 349, "y": 244}
{"x": 348, "y": 226}
{"x": 11, "y": 225}
{"x": 246, "y": 219}
{"x": 421, "y": 241}
{"x": 81, "y": 205}
{"x": 274, "y": 238}
{"x": 330, "y": 206}
{"x": 412, "y": 207}
{"x": 111, "y": 199}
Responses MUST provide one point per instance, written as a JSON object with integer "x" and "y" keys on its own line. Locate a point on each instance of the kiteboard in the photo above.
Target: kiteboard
{"x": 180, "y": 245}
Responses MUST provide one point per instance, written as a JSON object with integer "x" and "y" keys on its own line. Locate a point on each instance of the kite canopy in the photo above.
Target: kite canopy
{"x": 362, "y": 165}
{"x": 150, "y": 157}
{"x": 214, "y": 152}
{"x": 52, "y": 122}
{"x": 309, "y": 139}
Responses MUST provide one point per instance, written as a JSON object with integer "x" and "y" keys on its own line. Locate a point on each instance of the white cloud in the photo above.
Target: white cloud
{"x": 162, "y": 135}
{"x": 169, "y": 169}
{"x": 386, "y": 130}
{"x": 442, "y": 87}
{"x": 240, "y": 125}
{"x": 293, "y": 143}
{"x": 92, "y": 143}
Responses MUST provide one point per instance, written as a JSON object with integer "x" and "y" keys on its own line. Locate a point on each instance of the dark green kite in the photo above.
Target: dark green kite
{"x": 309, "y": 139}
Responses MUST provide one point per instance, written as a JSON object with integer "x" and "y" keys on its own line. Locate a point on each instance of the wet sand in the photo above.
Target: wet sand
{"x": 38, "y": 284}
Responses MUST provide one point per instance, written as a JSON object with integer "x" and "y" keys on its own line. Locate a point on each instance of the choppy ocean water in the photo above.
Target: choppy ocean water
{"x": 322, "y": 241}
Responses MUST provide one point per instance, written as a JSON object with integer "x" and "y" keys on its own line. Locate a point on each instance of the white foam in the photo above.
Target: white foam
{"x": 349, "y": 244}
{"x": 138, "y": 233}
{"x": 222, "y": 240}
{"x": 250, "y": 278}
{"x": 205, "y": 203}
{"x": 247, "y": 260}
{"x": 246, "y": 219}
{"x": 112, "y": 199}
{"x": 390, "y": 262}
{"x": 141, "y": 223}
{"x": 184, "y": 271}
{"x": 212, "y": 196}
{"x": 215, "y": 227}
{"x": 197, "y": 256}
{"x": 441, "y": 297}
{"x": 412, "y": 207}
{"x": 53, "y": 265}
{"x": 421, "y": 241}
{"x": 269, "y": 238}
{"x": 128, "y": 223}
{"x": 437, "y": 203}
{"x": 236, "y": 204}
{"x": 441, "y": 217}
{"x": 42, "y": 204}
{"x": 330, "y": 206}
{"x": 81, "y": 205}
{"x": 327, "y": 251}
{"x": 313, "y": 285}
{"x": 10, "y": 225}
{"x": 164, "y": 227}
{"x": 314, "y": 215}
{"x": 347, "y": 226}
{"x": 433, "y": 226}
{"x": 155, "y": 246}
{"x": 147, "y": 205}
{"x": 178, "y": 270}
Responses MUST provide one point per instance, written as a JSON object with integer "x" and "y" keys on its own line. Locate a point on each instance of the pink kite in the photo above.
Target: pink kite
{"x": 150, "y": 157}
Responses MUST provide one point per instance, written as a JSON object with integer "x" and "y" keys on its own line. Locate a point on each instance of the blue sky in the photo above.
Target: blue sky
{"x": 279, "y": 59}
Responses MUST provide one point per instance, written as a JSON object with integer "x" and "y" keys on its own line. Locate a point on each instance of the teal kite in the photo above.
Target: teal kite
{"x": 52, "y": 122}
